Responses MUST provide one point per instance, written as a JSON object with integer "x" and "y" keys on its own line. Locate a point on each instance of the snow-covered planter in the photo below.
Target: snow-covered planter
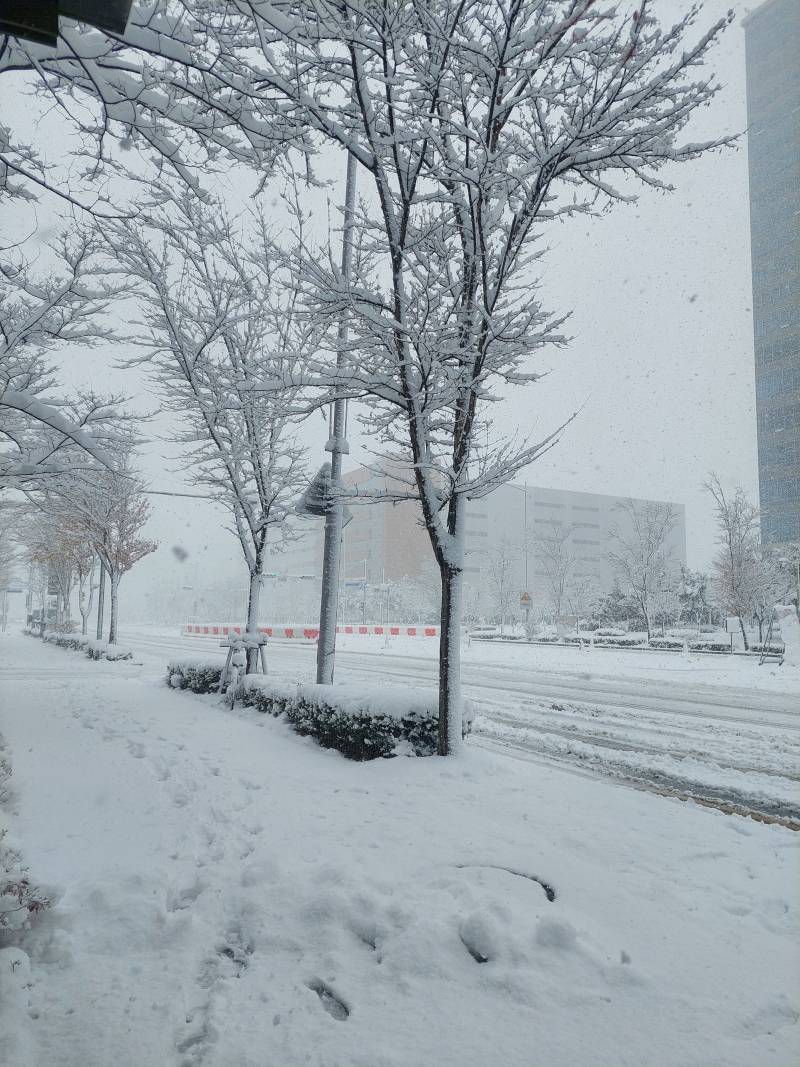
{"x": 621, "y": 641}
{"x": 196, "y": 675}
{"x": 709, "y": 646}
{"x": 669, "y": 643}
{"x": 361, "y": 723}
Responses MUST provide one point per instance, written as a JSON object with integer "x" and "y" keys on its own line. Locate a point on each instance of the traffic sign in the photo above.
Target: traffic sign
{"x": 525, "y": 599}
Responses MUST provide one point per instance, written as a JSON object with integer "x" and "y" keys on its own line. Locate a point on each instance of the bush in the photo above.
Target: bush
{"x": 548, "y": 639}
{"x": 76, "y": 642}
{"x": 362, "y": 724}
{"x": 620, "y": 641}
{"x": 82, "y": 643}
{"x": 665, "y": 642}
{"x": 573, "y": 639}
{"x": 771, "y": 649}
{"x": 196, "y": 675}
{"x": 700, "y": 645}
{"x": 610, "y": 631}
{"x": 103, "y": 650}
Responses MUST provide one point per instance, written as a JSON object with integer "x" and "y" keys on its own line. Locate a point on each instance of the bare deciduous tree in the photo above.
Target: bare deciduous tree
{"x": 641, "y": 555}
{"x": 162, "y": 88}
{"x": 220, "y": 314}
{"x": 555, "y": 555}
{"x": 475, "y": 124}
{"x": 41, "y": 310}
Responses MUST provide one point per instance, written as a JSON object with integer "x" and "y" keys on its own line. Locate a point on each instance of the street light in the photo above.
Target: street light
{"x": 39, "y": 21}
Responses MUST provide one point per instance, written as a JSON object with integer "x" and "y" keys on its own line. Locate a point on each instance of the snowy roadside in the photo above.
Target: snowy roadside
{"x": 735, "y": 674}
{"x": 228, "y": 894}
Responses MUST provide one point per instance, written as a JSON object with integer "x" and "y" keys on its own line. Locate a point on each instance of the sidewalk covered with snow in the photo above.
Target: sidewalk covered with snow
{"x": 228, "y": 894}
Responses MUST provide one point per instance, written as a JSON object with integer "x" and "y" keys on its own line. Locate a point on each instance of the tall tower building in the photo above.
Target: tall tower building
{"x": 772, "y": 41}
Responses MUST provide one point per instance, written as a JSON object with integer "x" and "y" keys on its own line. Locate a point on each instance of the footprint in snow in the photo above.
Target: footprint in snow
{"x": 333, "y": 1005}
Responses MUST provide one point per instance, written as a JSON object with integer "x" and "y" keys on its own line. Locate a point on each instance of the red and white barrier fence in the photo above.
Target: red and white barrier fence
{"x": 309, "y": 633}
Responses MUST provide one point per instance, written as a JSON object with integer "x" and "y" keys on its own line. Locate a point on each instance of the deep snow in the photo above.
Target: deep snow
{"x": 228, "y": 894}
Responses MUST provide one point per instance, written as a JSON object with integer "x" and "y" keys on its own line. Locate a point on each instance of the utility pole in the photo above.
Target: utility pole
{"x": 337, "y": 446}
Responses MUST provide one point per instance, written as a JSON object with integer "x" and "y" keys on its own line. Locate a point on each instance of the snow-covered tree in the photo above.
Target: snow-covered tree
{"x": 736, "y": 564}
{"x": 475, "y": 125}
{"x": 103, "y": 510}
{"x": 641, "y": 555}
{"x": 45, "y": 306}
{"x": 772, "y": 584}
{"x": 500, "y": 569}
{"x": 220, "y": 314}
{"x": 581, "y": 597}
{"x": 163, "y": 89}
{"x": 556, "y": 557}
{"x": 693, "y": 590}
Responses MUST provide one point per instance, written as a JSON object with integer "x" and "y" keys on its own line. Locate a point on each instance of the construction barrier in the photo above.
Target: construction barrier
{"x": 309, "y": 633}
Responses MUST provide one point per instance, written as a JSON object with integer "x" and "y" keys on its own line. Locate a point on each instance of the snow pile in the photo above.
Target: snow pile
{"x": 361, "y": 722}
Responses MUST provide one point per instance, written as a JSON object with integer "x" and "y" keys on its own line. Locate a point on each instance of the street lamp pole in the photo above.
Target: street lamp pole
{"x": 337, "y": 446}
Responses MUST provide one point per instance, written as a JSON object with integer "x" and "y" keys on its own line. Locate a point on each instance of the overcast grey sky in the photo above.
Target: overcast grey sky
{"x": 661, "y": 356}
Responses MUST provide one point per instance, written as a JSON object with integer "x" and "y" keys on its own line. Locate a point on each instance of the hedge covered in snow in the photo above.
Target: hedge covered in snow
{"x": 199, "y": 676}
{"x": 703, "y": 645}
{"x": 665, "y": 642}
{"x": 620, "y": 641}
{"x": 81, "y": 643}
{"x": 361, "y": 723}
{"x": 20, "y": 899}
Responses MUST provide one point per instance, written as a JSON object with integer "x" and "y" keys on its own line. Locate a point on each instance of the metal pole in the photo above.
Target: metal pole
{"x": 337, "y": 445}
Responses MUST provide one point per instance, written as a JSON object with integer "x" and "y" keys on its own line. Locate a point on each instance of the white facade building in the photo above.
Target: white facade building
{"x": 506, "y": 536}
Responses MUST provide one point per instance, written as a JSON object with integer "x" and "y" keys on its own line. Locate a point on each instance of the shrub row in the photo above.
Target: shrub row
{"x": 81, "y": 643}
{"x": 665, "y": 642}
{"x": 701, "y": 645}
{"x": 772, "y": 649}
{"x": 619, "y": 641}
{"x": 361, "y": 723}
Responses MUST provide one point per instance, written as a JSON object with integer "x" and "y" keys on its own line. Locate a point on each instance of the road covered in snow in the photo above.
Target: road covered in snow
{"x": 722, "y": 731}
{"x": 227, "y": 894}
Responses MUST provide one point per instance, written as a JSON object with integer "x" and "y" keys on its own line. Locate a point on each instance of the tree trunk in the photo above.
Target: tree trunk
{"x": 450, "y": 707}
{"x": 744, "y": 633}
{"x": 112, "y": 629}
{"x": 253, "y": 599}
{"x": 101, "y": 601}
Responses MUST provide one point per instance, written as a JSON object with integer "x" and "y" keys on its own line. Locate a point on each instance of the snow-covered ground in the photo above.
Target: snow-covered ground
{"x": 662, "y": 721}
{"x": 228, "y": 894}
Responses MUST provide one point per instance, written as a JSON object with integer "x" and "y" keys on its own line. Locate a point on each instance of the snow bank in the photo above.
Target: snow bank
{"x": 361, "y": 722}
